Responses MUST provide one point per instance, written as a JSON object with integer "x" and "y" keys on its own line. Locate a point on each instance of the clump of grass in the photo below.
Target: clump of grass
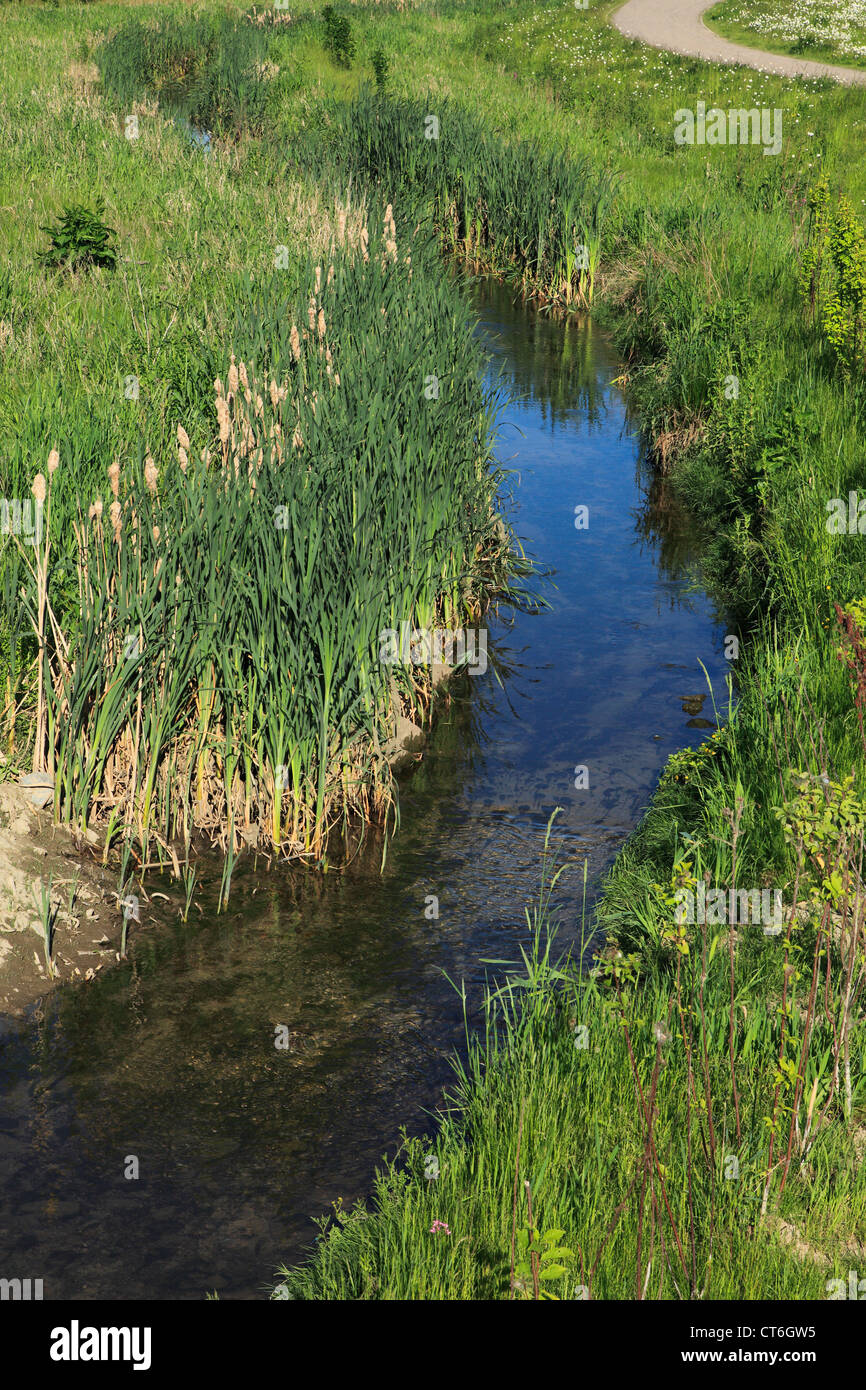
{"x": 210, "y": 68}
{"x": 79, "y": 239}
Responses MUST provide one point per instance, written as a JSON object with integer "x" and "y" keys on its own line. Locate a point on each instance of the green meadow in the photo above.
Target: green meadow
{"x": 681, "y": 1113}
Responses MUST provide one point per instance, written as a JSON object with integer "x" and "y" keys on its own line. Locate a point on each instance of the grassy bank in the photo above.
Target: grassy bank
{"x": 604, "y": 1145}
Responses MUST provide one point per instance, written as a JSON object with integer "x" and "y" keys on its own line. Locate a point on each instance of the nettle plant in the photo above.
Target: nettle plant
{"x": 80, "y": 239}
{"x": 824, "y": 822}
{"x": 833, "y": 274}
{"x": 540, "y": 1260}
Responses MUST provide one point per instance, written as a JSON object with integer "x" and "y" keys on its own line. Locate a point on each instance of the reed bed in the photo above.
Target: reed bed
{"x": 210, "y": 67}
{"x": 218, "y": 669}
{"x": 531, "y": 213}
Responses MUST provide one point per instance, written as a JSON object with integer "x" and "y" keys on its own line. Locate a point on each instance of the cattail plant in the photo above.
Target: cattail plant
{"x": 222, "y": 671}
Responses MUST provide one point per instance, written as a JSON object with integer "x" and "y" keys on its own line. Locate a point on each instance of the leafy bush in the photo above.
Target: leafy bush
{"x": 339, "y": 39}
{"x": 79, "y": 239}
{"x": 833, "y": 275}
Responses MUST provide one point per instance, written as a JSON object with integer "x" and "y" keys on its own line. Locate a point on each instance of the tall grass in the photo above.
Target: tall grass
{"x": 208, "y": 66}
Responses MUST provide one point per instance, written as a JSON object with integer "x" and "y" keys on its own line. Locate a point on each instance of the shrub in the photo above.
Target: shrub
{"x": 79, "y": 239}
{"x": 339, "y": 39}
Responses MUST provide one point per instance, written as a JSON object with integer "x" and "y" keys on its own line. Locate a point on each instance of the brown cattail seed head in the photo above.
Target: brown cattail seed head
{"x": 150, "y": 473}
{"x": 53, "y": 462}
{"x": 223, "y": 417}
{"x": 182, "y": 437}
{"x": 114, "y": 477}
{"x": 38, "y": 487}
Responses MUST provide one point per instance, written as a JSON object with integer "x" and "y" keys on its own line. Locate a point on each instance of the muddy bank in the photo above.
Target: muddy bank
{"x": 37, "y": 856}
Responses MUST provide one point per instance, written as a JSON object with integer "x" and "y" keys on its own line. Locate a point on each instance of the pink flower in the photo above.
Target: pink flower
{"x": 440, "y": 1226}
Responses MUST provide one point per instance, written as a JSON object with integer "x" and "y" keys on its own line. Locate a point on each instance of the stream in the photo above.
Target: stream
{"x": 170, "y": 1057}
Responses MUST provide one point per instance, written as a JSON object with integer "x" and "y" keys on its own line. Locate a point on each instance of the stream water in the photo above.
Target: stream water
{"x": 171, "y": 1056}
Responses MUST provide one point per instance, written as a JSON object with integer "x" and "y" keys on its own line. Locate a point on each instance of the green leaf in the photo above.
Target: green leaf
{"x": 552, "y": 1236}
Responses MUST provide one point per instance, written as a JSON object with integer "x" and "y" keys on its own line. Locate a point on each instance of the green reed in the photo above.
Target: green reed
{"x": 516, "y": 206}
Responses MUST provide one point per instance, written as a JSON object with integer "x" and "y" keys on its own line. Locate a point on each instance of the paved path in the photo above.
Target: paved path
{"x": 677, "y": 25}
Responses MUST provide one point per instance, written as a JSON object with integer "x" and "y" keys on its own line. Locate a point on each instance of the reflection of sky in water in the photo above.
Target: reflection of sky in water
{"x": 172, "y": 1059}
